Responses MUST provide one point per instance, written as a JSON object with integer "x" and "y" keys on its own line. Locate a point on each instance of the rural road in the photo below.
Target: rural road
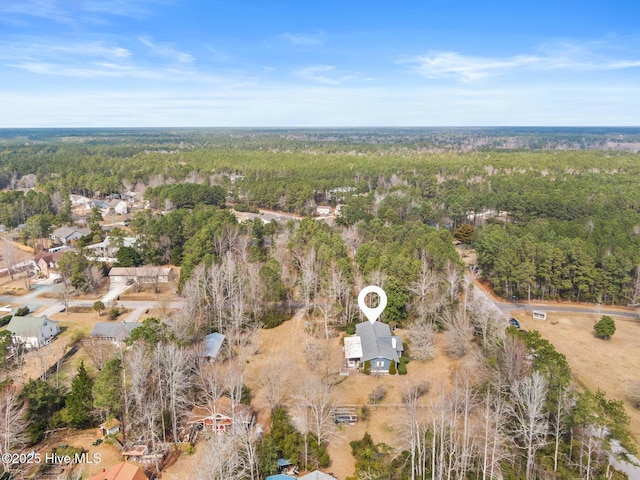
{"x": 507, "y": 307}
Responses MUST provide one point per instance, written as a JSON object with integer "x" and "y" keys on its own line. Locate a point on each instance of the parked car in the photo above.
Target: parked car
{"x": 514, "y": 322}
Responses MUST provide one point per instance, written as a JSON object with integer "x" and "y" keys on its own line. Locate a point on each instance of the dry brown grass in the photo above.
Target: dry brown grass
{"x": 610, "y": 365}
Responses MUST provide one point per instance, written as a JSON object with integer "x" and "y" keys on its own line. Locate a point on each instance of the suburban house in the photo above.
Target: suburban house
{"x": 373, "y": 342}
{"x": 217, "y": 417}
{"x": 212, "y": 345}
{"x": 116, "y": 332}
{"x": 323, "y": 210}
{"x": 78, "y": 199}
{"x": 32, "y": 332}
{"x": 110, "y": 427}
{"x": 107, "y": 249}
{"x": 102, "y": 206}
{"x": 67, "y": 235}
{"x": 148, "y": 274}
{"x": 119, "y": 207}
{"x": 47, "y": 261}
{"x": 121, "y": 471}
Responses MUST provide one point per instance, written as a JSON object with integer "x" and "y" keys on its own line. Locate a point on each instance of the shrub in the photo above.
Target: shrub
{"x": 114, "y": 313}
{"x": 351, "y": 329}
{"x": 5, "y": 320}
{"x": 402, "y": 368}
{"x": 273, "y": 319}
{"x": 605, "y": 328}
{"x": 392, "y": 368}
{"x": 404, "y": 359}
{"x": 22, "y": 311}
{"x": 366, "y": 367}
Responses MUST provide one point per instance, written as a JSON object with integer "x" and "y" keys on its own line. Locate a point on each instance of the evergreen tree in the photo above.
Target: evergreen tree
{"x": 605, "y": 328}
{"x": 107, "y": 389}
{"x": 80, "y": 401}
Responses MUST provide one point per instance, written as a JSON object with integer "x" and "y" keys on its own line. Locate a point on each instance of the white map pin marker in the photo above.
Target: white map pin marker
{"x": 372, "y": 314}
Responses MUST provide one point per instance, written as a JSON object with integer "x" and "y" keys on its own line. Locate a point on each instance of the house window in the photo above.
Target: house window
{"x": 379, "y": 363}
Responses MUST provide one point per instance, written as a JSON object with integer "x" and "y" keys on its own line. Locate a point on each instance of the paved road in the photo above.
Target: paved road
{"x": 507, "y": 307}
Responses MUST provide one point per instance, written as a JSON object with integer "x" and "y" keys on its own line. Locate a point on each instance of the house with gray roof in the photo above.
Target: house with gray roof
{"x": 116, "y": 332}
{"x": 373, "y": 342}
{"x": 317, "y": 475}
{"x": 66, "y": 235}
{"x": 32, "y": 332}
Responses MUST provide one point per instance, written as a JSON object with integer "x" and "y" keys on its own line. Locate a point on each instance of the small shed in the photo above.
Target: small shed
{"x": 110, "y": 427}
{"x": 212, "y": 345}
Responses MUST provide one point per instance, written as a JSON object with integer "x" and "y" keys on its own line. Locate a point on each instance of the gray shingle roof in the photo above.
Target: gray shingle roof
{"x": 377, "y": 341}
{"x": 316, "y": 475}
{"x": 118, "y": 330}
{"x": 27, "y": 326}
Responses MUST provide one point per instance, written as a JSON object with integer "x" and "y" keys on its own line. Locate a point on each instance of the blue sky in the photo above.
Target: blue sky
{"x": 140, "y": 63}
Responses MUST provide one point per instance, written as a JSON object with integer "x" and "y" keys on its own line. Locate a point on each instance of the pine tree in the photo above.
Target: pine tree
{"x": 80, "y": 401}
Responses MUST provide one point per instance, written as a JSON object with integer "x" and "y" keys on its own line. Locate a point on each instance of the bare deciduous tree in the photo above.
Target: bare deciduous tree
{"x": 459, "y": 333}
{"x": 422, "y": 335}
{"x": 12, "y": 422}
{"x": 529, "y": 395}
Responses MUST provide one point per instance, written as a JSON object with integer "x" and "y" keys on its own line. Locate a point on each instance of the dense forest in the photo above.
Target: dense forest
{"x": 554, "y": 218}
{"x": 549, "y": 218}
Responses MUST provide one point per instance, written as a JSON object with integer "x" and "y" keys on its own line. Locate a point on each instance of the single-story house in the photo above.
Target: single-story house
{"x": 47, "y": 261}
{"x": 116, "y": 332}
{"x": 148, "y": 274}
{"x": 317, "y": 475}
{"x": 102, "y": 206}
{"x": 67, "y": 235}
{"x": 373, "y": 342}
{"x": 78, "y": 199}
{"x": 108, "y": 248}
{"x": 280, "y": 476}
{"x": 110, "y": 427}
{"x": 119, "y": 206}
{"x": 121, "y": 471}
{"x": 324, "y": 210}
{"x": 32, "y": 332}
{"x": 339, "y": 208}
{"x": 212, "y": 345}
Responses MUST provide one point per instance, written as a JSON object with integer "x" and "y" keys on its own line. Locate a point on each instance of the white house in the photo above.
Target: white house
{"x": 32, "y": 332}
{"x": 106, "y": 250}
{"x": 120, "y": 207}
{"x": 78, "y": 199}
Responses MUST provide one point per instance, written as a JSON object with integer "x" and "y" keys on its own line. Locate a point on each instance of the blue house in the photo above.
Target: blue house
{"x": 373, "y": 342}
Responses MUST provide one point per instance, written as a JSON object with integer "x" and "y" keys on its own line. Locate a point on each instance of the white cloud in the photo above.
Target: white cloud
{"x": 467, "y": 68}
{"x": 295, "y": 105}
{"x": 68, "y": 12}
{"x": 321, "y": 74}
{"x": 303, "y": 39}
{"x": 167, "y": 51}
